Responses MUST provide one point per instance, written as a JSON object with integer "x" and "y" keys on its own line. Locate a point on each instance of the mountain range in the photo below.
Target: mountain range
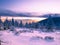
{"x": 4, "y": 12}
{"x": 11, "y": 13}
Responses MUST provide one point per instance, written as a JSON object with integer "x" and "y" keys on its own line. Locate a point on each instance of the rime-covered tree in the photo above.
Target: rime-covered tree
{"x": 12, "y": 22}
{"x": 21, "y": 24}
{"x": 6, "y": 24}
{"x": 32, "y": 25}
{"x": 1, "y": 24}
{"x": 16, "y": 24}
{"x": 26, "y": 25}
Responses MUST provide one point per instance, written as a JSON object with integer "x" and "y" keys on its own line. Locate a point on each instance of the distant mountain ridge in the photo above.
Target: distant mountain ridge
{"x": 11, "y": 13}
{"x": 4, "y": 12}
{"x": 52, "y": 15}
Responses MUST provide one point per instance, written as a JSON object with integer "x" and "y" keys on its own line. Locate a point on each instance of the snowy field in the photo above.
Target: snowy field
{"x": 28, "y": 38}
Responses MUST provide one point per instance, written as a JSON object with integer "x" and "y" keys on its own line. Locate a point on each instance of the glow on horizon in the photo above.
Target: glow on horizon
{"x": 35, "y": 19}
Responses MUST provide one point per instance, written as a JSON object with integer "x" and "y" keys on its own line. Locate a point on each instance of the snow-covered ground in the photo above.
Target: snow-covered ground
{"x": 28, "y": 38}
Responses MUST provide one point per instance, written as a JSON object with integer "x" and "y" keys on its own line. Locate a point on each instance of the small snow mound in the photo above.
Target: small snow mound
{"x": 36, "y": 38}
{"x": 49, "y": 38}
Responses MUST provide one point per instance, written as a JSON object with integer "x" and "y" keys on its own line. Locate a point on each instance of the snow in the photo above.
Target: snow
{"x": 28, "y": 38}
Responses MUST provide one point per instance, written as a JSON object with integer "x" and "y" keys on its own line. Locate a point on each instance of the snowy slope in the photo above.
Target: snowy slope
{"x": 28, "y": 38}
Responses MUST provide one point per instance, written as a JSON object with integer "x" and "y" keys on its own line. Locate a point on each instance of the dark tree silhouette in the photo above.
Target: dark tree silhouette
{"x": 1, "y": 24}
{"x": 6, "y": 24}
{"x": 12, "y": 22}
{"x": 26, "y": 25}
{"x": 16, "y": 24}
{"x": 21, "y": 24}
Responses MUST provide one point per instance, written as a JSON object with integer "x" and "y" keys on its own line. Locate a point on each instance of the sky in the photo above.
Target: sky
{"x": 39, "y": 6}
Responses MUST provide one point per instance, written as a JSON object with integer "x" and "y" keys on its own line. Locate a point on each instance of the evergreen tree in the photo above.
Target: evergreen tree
{"x": 21, "y": 24}
{"x": 16, "y": 24}
{"x": 6, "y": 24}
{"x": 33, "y": 25}
{"x": 27, "y": 25}
{"x": 12, "y": 22}
{"x": 9, "y": 24}
{"x": 1, "y": 24}
{"x": 1, "y": 21}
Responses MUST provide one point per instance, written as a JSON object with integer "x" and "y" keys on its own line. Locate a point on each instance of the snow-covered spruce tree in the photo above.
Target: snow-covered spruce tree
{"x": 16, "y": 24}
{"x": 26, "y": 25}
{"x": 1, "y": 25}
{"x": 12, "y": 22}
{"x": 6, "y": 24}
{"x": 21, "y": 24}
{"x": 12, "y": 27}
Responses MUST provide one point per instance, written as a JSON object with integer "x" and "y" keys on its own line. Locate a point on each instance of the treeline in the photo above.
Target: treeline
{"x": 7, "y": 24}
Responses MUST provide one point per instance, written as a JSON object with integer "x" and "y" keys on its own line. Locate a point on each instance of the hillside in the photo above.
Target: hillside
{"x": 49, "y": 23}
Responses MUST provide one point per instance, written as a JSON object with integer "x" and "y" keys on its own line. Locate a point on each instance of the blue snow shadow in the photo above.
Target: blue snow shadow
{"x": 49, "y": 39}
{"x": 36, "y": 38}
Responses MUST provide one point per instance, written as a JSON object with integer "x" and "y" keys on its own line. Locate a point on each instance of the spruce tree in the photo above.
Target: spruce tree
{"x": 16, "y": 24}
{"x": 1, "y": 24}
{"x": 27, "y": 25}
{"x": 6, "y": 24}
{"x": 12, "y": 22}
{"x": 21, "y": 24}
